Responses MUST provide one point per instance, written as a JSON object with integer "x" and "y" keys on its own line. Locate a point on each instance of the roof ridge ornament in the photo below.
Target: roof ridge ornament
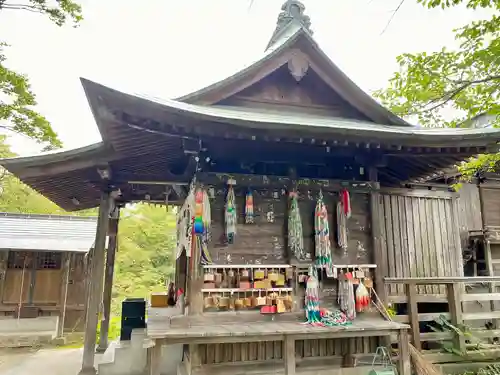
{"x": 291, "y": 10}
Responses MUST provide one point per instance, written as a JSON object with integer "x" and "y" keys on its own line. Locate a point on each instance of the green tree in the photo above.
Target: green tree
{"x": 466, "y": 80}
{"x": 145, "y": 258}
{"x": 17, "y": 113}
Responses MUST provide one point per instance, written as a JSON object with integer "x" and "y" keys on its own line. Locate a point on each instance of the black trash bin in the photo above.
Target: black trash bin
{"x": 133, "y": 316}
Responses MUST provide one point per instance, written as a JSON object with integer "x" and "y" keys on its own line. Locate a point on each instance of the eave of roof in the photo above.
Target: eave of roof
{"x": 280, "y": 122}
{"x": 289, "y": 36}
{"x": 31, "y": 232}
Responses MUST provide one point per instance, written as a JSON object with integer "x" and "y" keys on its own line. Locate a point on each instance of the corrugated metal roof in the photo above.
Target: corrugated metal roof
{"x": 46, "y": 232}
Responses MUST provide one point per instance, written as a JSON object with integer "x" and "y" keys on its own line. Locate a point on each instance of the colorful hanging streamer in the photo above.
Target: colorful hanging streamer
{"x": 312, "y": 298}
{"x": 323, "y": 249}
{"x": 346, "y": 203}
{"x": 249, "y": 208}
{"x": 230, "y": 215}
{"x": 295, "y": 233}
{"x": 341, "y": 227}
{"x": 198, "y": 212}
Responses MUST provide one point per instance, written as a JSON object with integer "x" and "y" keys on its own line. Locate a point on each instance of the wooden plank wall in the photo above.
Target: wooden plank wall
{"x": 468, "y": 211}
{"x": 47, "y": 291}
{"x": 264, "y": 242}
{"x": 269, "y": 350}
{"x": 491, "y": 199}
{"x": 421, "y": 239}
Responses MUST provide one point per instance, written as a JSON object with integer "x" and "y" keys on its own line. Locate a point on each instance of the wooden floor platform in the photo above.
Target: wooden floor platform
{"x": 268, "y": 331}
{"x": 204, "y": 330}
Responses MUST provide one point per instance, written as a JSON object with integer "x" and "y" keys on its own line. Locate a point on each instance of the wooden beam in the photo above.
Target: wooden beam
{"x": 95, "y": 288}
{"x": 441, "y": 280}
{"x": 282, "y": 182}
{"x": 108, "y": 280}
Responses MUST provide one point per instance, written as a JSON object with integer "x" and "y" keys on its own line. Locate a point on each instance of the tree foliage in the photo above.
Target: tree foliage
{"x": 145, "y": 258}
{"x": 17, "y": 100}
{"x": 465, "y": 80}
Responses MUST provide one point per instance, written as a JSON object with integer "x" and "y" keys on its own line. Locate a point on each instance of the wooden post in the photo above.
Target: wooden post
{"x": 455, "y": 308}
{"x": 66, "y": 264}
{"x": 349, "y": 359}
{"x": 379, "y": 251}
{"x": 289, "y": 355}
{"x": 95, "y": 287}
{"x": 411, "y": 293}
{"x": 31, "y": 290}
{"x": 487, "y": 252}
{"x": 379, "y": 255}
{"x": 404, "y": 353}
{"x": 154, "y": 358}
{"x": 4, "y": 259}
{"x": 108, "y": 280}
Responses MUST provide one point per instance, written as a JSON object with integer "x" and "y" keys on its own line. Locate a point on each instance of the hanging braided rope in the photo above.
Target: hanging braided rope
{"x": 312, "y": 298}
{"x": 323, "y": 249}
{"x": 341, "y": 227}
{"x": 230, "y": 215}
{"x": 295, "y": 233}
{"x": 249, "y": 208}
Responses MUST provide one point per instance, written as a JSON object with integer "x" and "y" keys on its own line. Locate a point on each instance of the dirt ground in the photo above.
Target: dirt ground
{"x": 40, "y": 362}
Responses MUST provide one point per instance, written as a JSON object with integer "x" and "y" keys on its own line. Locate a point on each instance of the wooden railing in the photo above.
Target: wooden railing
{"x": 455, "y": 296}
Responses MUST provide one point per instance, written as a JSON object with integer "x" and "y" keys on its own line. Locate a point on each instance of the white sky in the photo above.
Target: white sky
{"x": 167, "y": 48}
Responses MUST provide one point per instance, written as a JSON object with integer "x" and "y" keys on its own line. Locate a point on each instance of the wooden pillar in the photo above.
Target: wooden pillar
{"x": 154, "y": 358}
{"x": 289, "y": 355}
{"x": 487, "y": 252}
{"x": 455, "y": 308}
{"x": 404, "y": 353}
{"x": 31, "y": 290}
{"x": 379, "y": 255}
{"x": 95, "y": 287}
{"x": 108, "y": 279}
{"x": 63, "y": 297}
{"x": 4, "y": 258}
{"x": 411, "y": 294}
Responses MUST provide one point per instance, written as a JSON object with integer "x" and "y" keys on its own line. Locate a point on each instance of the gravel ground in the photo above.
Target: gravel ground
{"x": 41, "y": 362}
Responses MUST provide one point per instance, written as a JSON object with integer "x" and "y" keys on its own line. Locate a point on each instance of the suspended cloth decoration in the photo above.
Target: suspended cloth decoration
{"x": 185, "y": 225}
{"x": 333, "y": 318}
{"x": 341, "y": 227}
{"x": 346, "y": 296}
{"x": 346, "y": 203}
{"x": 295, "y": 233}
{"x": 230, "y": 215}
{"x": 362, "y": 298}
{"x": 249, "y": 208}
{"x": 202, "y": 221}
{"x": 312, "y": 298}
{"x": 315, "y": 315}
{"x": 323, "y": 248}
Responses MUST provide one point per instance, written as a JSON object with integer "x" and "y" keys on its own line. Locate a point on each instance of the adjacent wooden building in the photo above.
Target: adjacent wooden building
{"x": 43, "y": 267}
{"x": 291, "y": 121}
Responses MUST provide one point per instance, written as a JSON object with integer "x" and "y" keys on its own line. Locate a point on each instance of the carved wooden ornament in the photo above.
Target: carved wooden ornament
{"x": 298, "y": 64}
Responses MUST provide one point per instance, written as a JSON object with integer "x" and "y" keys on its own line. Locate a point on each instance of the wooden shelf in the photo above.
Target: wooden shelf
{"x": 340, "y": 266}
{"x": 239, "y": 290}
{"x": 246, "y": 266}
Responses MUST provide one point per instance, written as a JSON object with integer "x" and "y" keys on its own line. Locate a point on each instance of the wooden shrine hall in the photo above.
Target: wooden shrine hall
{"x": 290, "y": 122}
